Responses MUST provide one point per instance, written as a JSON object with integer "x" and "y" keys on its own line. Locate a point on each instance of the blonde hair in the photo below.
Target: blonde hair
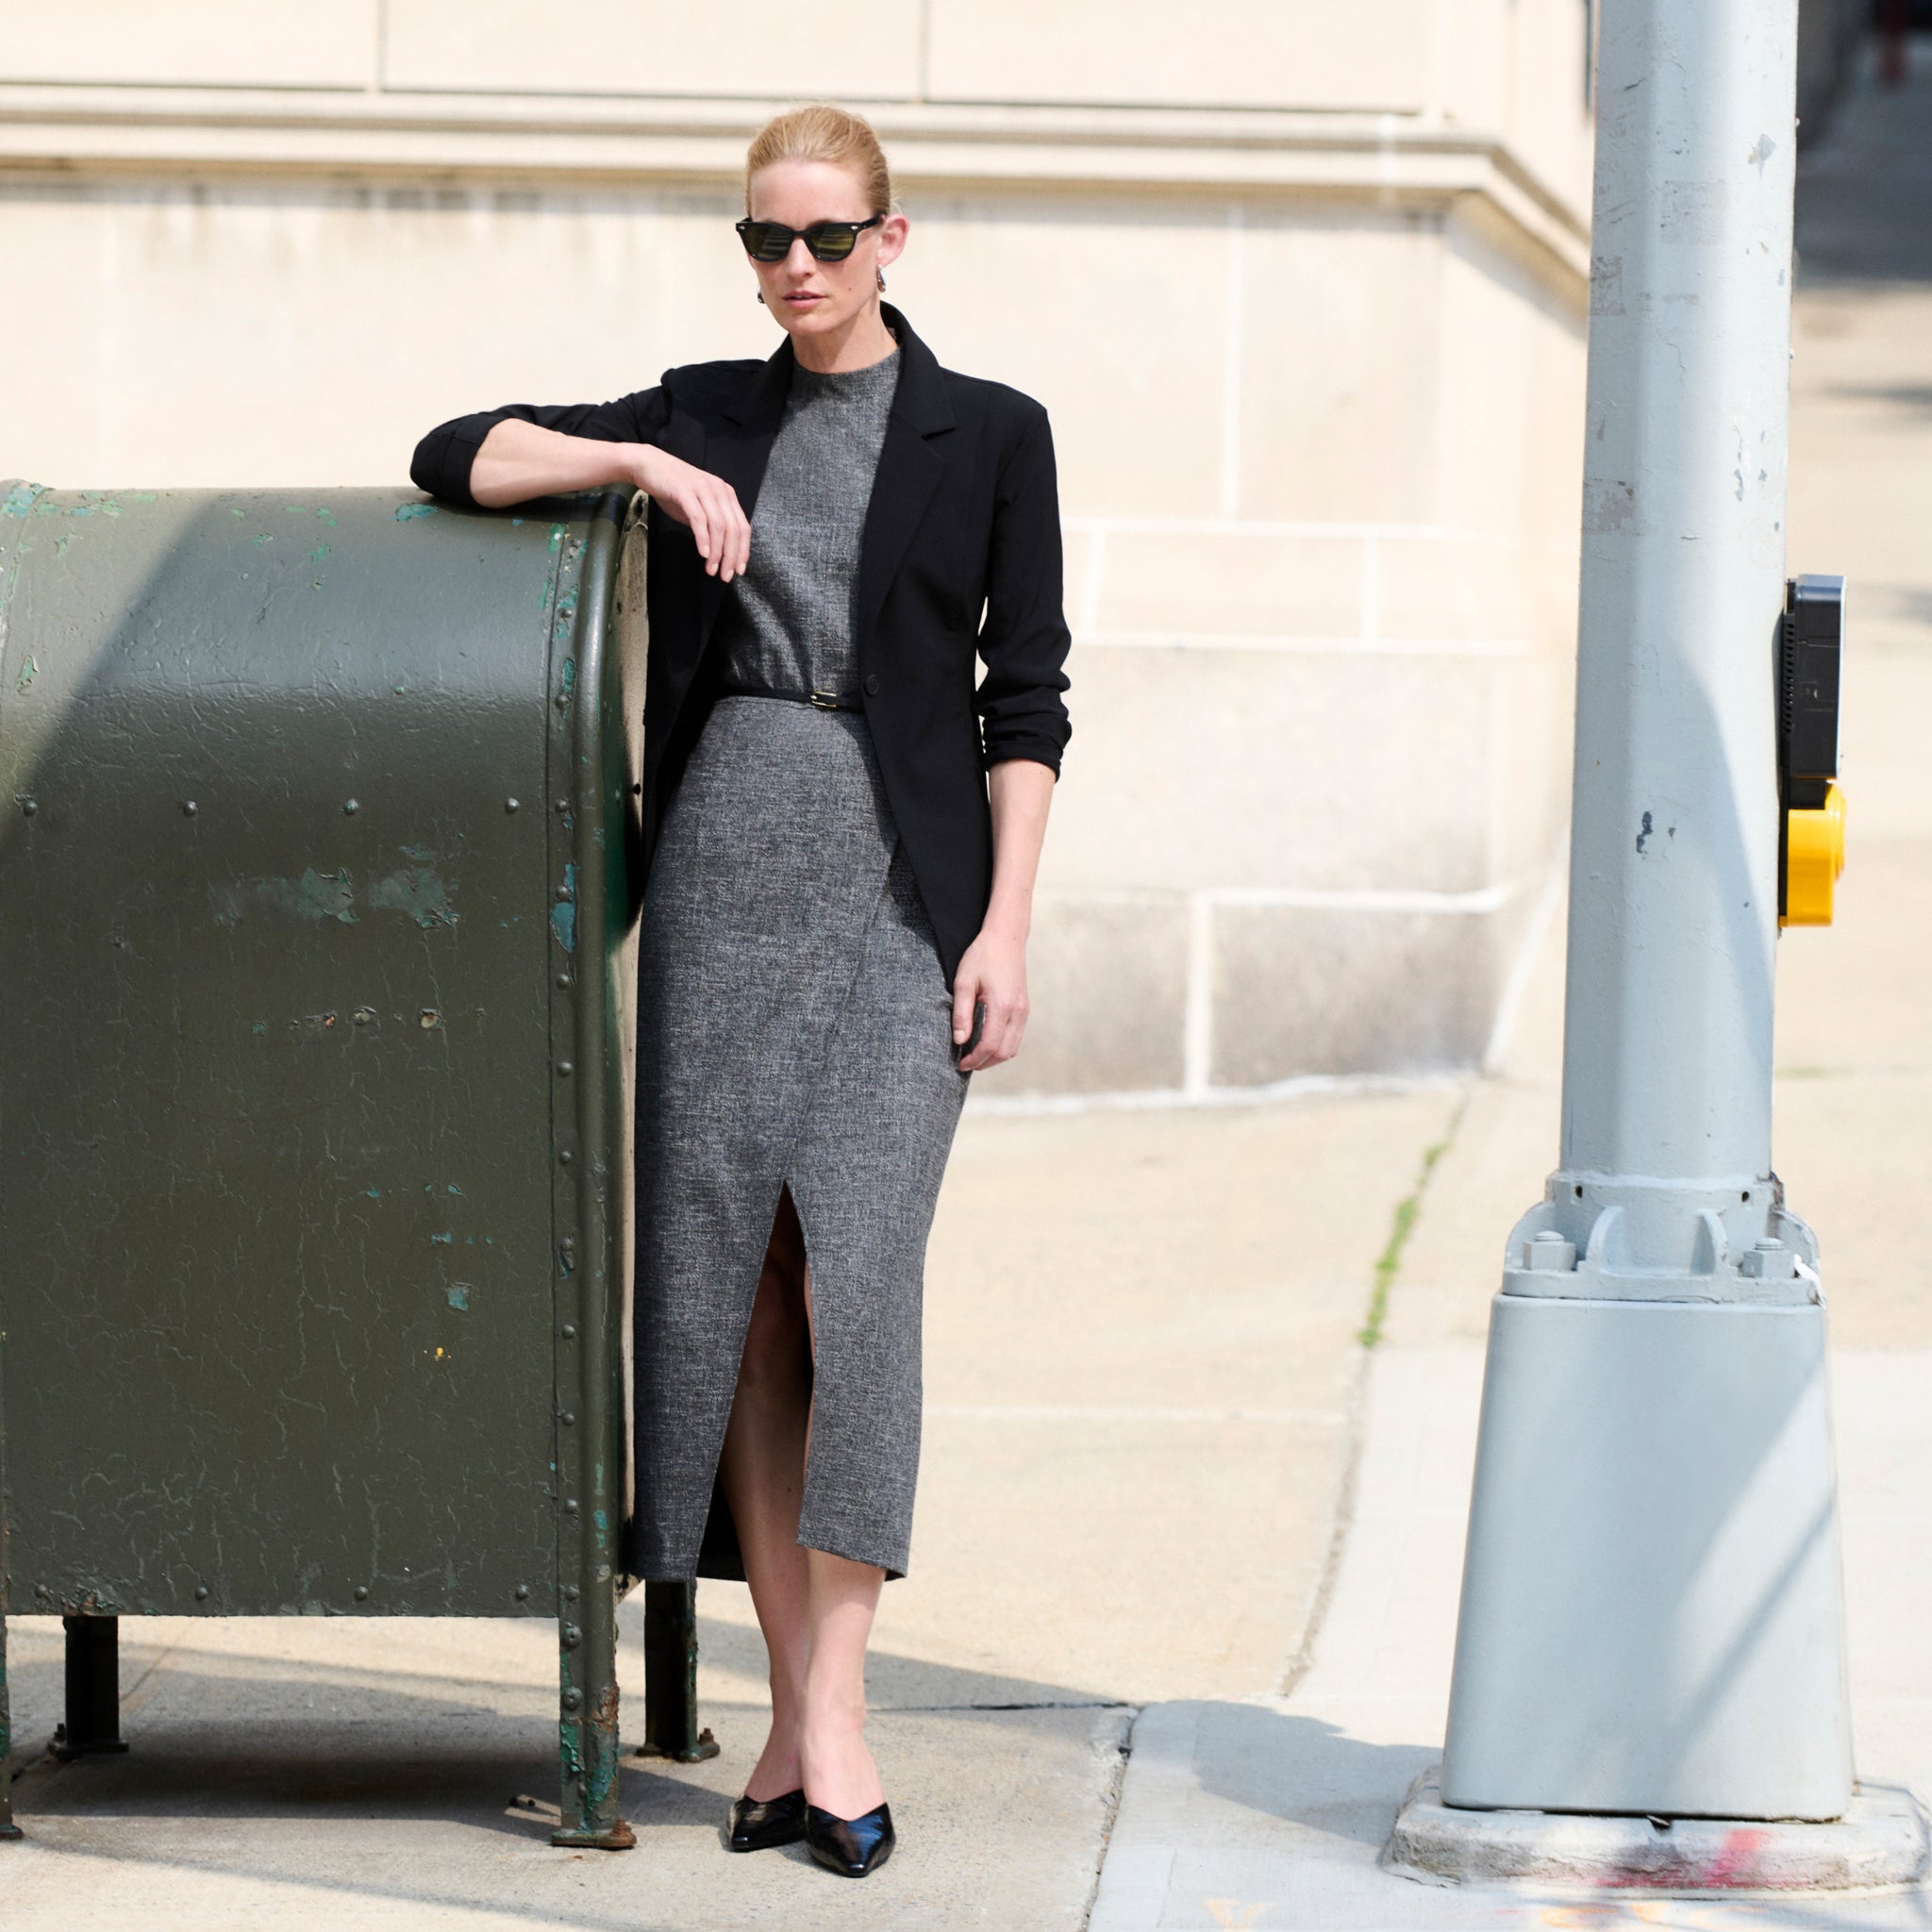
{"x": 821, "y": 132}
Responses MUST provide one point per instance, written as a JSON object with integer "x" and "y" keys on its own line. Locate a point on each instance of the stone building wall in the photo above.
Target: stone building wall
{"x": 1305, "y": 297}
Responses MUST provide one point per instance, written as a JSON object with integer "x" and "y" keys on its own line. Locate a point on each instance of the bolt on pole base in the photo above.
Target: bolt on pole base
{"x": 1881, "y": 1841}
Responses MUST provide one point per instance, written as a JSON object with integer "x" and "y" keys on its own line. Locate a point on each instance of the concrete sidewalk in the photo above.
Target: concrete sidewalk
{"x": 1269, "y": 1812}
{"x": 1140, "y": 1370}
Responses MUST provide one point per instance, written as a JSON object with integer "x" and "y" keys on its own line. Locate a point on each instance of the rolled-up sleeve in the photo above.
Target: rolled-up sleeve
{"x": 1024, "y": 638}
{"x": 443, "y": 457}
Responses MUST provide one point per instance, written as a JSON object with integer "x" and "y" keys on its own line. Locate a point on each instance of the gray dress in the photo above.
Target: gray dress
{"x": 794, "y": 1027}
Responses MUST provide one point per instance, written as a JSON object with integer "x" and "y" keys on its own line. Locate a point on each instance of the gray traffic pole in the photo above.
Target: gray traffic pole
{"x": 1651, "y": 1623}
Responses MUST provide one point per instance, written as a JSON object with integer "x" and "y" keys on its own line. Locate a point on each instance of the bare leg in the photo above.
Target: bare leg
{"x": 839, "y": 1774}
{"x": 815, "y": 1610}
{"x": 762, "y": 1469}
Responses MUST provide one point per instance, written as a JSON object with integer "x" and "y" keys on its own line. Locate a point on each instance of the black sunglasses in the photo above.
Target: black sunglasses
{"x": 827, "y": 241}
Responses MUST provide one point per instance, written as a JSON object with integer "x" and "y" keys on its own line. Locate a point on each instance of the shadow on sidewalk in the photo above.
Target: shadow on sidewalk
{"x": 1304, "y": 1772}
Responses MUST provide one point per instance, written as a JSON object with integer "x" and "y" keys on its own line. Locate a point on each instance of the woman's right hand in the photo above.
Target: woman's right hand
{"x": 707, "y": 503}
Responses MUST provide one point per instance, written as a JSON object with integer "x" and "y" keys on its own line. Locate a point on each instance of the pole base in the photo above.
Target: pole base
{"x": 66, "y": 1749}
{"x": 706, "y": 1746}
{"x": 619, "y": 1838}
{"x": 1881, "y": 1841}
{"x": 1651, "y": 1618}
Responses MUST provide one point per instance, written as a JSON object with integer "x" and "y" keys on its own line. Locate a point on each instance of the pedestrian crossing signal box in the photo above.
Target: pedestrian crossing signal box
{"x": 1811, "y": 830}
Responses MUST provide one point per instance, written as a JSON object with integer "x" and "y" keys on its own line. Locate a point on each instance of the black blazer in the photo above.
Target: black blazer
{"x": 961, "y": 552}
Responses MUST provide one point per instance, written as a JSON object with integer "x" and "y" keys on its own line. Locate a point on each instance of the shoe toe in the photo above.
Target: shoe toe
{"x": 854, "y": 1847}
{"x": 758, "y": 1824}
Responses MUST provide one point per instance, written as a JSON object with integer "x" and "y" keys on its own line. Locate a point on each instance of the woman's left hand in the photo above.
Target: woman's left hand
{"x": 993, "y": 971}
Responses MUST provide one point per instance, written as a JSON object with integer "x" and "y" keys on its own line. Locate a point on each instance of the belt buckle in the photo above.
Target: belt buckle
{"x": 825, "y": 701}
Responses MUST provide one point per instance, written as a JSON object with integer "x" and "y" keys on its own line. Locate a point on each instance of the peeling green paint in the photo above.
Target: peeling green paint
{"x": 328, "y": 515}
{"x": 409, "y": 510}
{"x": 19, "y": 499}
{"x": 313, "y": 898}
{"x": 320, "y": 551}
{"x": 26, "y": 677}
{"x": 443, "y": 1239}
{"x": 459, "y": 1297}
{"x": 563, "y": 914}
{"x": 557, "y": 531}
{"x": 416, "y": 889}
{"x": 264, "y": 537}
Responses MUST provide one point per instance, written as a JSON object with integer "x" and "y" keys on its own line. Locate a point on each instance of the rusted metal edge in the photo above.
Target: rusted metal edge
{"x": 592, "y": 1446}
{"x": 16, "y": 498}
{"x": 8, "y": 1828}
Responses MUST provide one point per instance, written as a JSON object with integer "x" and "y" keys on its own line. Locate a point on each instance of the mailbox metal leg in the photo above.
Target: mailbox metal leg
{"x": 93, "y": 1689}
{"x": 8, "y": 1828}
{"x": 671, "y": 1676}
{"x": 587, "y": 1734}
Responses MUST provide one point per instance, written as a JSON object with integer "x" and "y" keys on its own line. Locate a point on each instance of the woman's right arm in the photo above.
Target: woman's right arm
{"x": 508, "y": 456}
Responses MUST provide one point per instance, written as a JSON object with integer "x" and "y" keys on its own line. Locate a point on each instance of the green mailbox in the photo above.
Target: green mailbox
{"x": 318, "y": 857}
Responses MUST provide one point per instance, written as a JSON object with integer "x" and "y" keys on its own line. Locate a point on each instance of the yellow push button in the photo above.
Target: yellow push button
{"x": 1814, "y": 857}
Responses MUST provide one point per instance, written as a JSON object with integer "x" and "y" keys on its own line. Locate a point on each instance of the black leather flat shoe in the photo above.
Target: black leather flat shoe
{"x": 850, "y": 1846}
{"x": 759, "y": 1823}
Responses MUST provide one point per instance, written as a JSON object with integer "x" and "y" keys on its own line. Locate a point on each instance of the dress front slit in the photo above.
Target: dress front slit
{"x": 794, "y": 1029}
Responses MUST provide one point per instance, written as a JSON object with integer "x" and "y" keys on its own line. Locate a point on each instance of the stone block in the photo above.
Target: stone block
{"x": 1108, "y": 982}
{"x": 1245, "y": 768}
{"x": 1342, "y": 365}
{"x": 1108, "y": 309}
{"x": 1303, "y": 990}
{"x": 1223, "y": 54}
{"x": 1212, "y": 582}
{"x": 210, "y": 44}
{"x": 620, "y": 46}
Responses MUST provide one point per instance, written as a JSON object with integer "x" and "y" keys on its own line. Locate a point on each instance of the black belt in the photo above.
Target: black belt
{"x": 818, "y": 700}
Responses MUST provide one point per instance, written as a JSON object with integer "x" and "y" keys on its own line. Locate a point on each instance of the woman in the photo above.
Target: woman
{"x": 844, "y": 835}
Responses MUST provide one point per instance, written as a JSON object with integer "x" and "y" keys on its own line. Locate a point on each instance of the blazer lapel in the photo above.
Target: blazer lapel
{"x": 737, "y": 450}
{"x": 911, "y": 462}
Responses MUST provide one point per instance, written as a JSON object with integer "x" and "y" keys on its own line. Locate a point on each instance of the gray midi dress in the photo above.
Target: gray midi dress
{"x": 794, "y": 1029}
